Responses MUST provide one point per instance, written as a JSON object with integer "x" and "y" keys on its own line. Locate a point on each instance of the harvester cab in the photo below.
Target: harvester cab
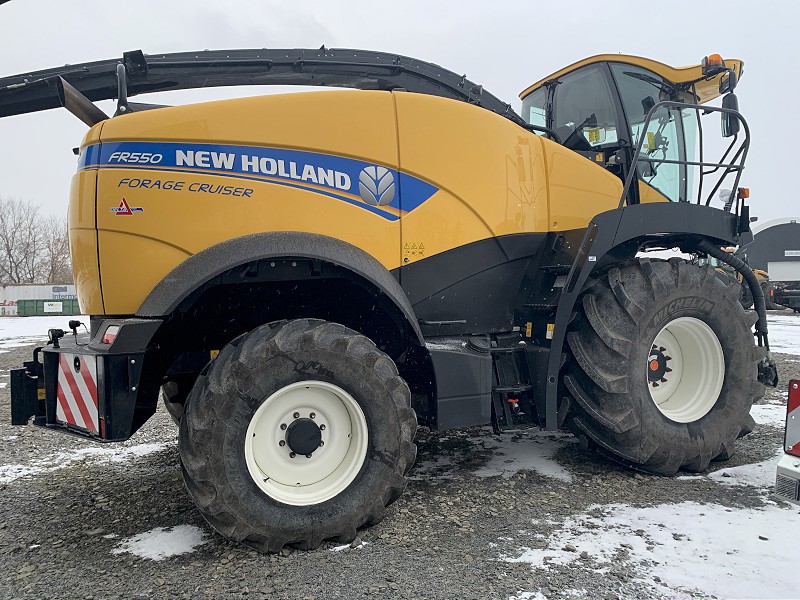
{"x": 312, "y": 275}
{"x": 606, "y": 105}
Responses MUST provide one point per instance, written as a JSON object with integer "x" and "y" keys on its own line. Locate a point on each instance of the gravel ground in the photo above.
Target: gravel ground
{"x": 446, "y": 537}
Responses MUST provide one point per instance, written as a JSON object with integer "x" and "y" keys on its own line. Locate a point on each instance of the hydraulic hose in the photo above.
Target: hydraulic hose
{"x": 767, "y": 371}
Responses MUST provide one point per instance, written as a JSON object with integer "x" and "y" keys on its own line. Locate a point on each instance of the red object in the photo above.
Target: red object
{"x": 76, "y": 392}
{"x": 794, "y": 396}
{"x": 110, "y": 334}
{"x": 124, "y": 209}
{"x": 792, "y": 440}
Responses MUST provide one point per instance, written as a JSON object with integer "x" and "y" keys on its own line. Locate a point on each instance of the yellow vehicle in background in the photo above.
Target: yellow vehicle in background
{"x": 308, "y": 277}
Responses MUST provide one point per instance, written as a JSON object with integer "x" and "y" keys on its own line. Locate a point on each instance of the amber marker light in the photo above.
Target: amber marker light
{"x": 743, "y": 193}
{"x": 712, "y": 62}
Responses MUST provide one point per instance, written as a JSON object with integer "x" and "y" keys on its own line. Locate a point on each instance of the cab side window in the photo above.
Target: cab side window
{"x": 534, "y": 109}
{"x": 584, "y": 115}
{"x": 640, "y": 90}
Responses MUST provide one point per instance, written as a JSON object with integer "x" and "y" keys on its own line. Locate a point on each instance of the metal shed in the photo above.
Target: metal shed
{"x": 776, "y": 249}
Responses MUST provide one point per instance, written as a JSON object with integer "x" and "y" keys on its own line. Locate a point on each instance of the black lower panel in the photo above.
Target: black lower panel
{"x": 463, "y": 384}
{"x": 473, "y": 288}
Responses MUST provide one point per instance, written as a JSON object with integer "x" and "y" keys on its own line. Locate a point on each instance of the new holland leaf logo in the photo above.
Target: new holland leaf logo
{"x": 376, "y": 186}
{"x": 125, "y": 209}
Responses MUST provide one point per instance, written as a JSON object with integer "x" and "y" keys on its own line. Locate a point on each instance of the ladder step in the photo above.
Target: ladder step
{"x": 557, "y": 269}
{"x": 511, "y": 389}
{"x": 506, "y": 350}
{"x": 541, "y": 307}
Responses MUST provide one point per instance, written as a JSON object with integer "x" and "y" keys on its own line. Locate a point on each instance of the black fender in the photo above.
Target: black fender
{"x": 201, "y": 268}
{"x": 617, "y": 234}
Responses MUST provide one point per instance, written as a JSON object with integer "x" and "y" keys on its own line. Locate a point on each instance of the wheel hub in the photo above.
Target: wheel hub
{"x": 306, "y": 443}
{"x": 657, "y": 366}
{"x": 685, "y": 369}
{"x": 303, "y": 436}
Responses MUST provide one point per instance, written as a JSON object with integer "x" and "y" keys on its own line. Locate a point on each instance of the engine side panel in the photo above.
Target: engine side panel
{"x": 277, "y": 163}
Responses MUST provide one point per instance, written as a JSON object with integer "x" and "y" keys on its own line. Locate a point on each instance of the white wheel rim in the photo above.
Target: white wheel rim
{"x": 300, "y": 480}
{"x": 695, "y": 363}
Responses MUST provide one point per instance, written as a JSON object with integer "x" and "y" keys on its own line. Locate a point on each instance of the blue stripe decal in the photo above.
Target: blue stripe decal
{"x": 329, "y": 175}
{"x": 90, "y": 155}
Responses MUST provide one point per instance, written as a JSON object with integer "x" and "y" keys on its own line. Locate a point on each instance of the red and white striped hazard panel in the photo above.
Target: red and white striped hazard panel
{"x": 793, "y": 419}
{"x": 76, "y": 393}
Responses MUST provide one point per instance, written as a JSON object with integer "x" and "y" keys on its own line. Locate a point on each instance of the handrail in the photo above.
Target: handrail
{"x": 735, "y": 166}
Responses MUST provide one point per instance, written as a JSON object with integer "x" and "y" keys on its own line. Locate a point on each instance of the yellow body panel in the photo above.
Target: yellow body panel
{"x": 491, "y": 174}
{"x": 176, "y": 223}
{"x": 495, "y": 179}
{"x": 132, "y": 266}
{"x": 358, "y": 124}
{"x": 706, "y": 90}
{"x": 485, "y": 176}
{"x": 579, "y": 188}
{"x": 83, "y": 242}
{"x": 647, "y": 194}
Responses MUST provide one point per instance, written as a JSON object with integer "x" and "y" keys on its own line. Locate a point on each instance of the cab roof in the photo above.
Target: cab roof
{"x": 707, "y": 89}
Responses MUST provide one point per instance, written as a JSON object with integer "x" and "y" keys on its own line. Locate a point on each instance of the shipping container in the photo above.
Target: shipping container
{"x": 11, "y": 295}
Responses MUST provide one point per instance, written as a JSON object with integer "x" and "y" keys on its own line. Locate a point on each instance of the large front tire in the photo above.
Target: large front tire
{"x": 298, "y": 432}
{"x": 665, "y": 366}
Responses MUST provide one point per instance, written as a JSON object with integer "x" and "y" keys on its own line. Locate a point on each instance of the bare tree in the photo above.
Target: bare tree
{"x": 33, "y": 249}
{"x": 55, "y": 264}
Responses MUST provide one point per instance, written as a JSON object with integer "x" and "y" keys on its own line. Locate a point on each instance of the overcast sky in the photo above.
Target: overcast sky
{"x": 503, "y": 45}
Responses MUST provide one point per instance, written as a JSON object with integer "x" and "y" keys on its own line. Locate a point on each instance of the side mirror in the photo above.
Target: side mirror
{"x": 727, "y": 82}
{"x": 730, "y": 122}
{"x": 647, "y": 104}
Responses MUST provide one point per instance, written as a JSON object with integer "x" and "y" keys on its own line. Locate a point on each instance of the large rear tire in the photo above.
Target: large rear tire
{"x": 665, "y": 366}
{"x": 298, "y": 432}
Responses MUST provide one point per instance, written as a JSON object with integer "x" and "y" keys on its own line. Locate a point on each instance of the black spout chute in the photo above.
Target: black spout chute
{"x": 361, "y": 69}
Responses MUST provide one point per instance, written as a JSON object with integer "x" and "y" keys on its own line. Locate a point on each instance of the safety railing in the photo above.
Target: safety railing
{"x": 737, "y": 150}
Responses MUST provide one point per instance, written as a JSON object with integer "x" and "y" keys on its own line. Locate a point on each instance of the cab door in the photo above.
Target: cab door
{"x": 584, "y": 111}
{"x": 670, "y": 135}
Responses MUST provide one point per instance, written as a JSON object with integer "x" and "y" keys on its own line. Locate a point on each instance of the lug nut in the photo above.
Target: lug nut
{"x": 321, "y": 443}
{"x": 322, "y": 427}
{"x": 282, "y": 443}
{"x": 283, "y": 425}
{"x": 308, "y": 456}
{"x": 312, "y": 416}
{"x": 292, "y": 454}
{"x": 296, "y": 415}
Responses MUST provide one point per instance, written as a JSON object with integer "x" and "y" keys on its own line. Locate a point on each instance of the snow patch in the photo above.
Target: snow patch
{"x": 9, "y": 473}
{"x": 348, "y": 547}
{"x": 25, "y": 331}
{"x": 528, "y": 450}
{"x": 784, "y": 333}
{"x": 760, "y": 475}
{"x": 533, "y": 452}
{"x": 114, "y": 455}
{"x": 161, "y": 543}
{"x": 773, "y": 415}
{"x": 741, "y": 553}
{"x": 61, "y": 460}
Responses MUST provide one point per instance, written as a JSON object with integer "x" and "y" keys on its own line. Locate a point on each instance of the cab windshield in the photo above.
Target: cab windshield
{"x": 670, "y": 136}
